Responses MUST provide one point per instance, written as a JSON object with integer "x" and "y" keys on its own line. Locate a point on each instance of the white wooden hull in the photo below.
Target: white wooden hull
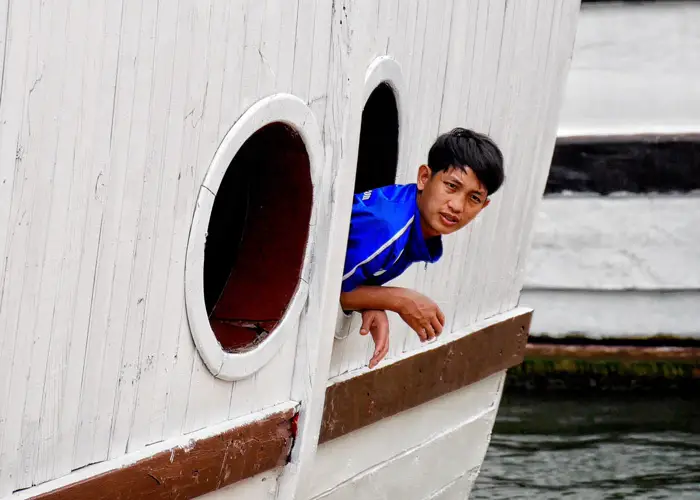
{"x": 111, "y": 119}
{"x": 433, "y": 451}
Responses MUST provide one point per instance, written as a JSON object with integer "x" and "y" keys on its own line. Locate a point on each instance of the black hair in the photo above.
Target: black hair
{"x": 462, "y": 148}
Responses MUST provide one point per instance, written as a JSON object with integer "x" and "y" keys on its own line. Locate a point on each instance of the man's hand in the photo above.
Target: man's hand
{"x": 421, "y": 314}
{"x": 418, "y": 311}
{"x": 376, "y": 322}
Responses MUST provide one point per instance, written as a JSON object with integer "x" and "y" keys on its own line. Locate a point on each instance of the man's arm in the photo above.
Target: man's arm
{"x": 418, "y": 311}
{"x": 384, "y": 298}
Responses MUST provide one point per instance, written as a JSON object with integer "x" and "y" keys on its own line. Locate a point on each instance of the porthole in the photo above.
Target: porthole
{"x": 246, "y": 270}
{"x": 378, "y": 152}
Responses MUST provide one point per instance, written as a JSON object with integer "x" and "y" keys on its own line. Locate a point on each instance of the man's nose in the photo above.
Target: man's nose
{"x": 456, "y": 204}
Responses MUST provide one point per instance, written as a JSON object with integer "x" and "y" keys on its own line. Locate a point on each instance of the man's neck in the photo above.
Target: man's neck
{"x": 425, "y": 228}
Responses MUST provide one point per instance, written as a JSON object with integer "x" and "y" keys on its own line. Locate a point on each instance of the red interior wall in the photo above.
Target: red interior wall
{"x": 268, "y": 265}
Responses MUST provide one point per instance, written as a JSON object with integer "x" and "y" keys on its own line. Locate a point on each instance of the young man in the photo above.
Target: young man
{"x": 394, "y": 226}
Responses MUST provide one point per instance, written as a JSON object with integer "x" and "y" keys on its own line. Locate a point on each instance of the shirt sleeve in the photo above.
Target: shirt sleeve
{"x": 369, "y": 247}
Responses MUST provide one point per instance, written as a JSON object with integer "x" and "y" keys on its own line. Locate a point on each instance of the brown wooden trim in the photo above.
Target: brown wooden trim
{"x": 380, "y": 393}
{"x": 209, "y": 464}
{"x": 689, "y": 355}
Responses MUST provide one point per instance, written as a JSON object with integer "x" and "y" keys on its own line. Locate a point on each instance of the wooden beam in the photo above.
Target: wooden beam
{"x": 589, "y": 352}
{"x": 181, "y": 473}
{"x": 381, "y": 393}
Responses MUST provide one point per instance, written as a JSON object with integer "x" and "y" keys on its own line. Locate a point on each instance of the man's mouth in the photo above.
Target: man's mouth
{"x": 449, "y": 220}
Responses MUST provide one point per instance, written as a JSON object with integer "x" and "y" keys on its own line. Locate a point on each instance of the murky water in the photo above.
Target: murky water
{"x": 593, "y": 447}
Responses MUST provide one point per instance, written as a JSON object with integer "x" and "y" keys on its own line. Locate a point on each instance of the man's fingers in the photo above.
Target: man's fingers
{"x": 383, "y": 353}
{"x": 425, "y": 331}
{"x": 366, "y": 325}
{"x": 378, "y": 356}
{"x": 429, "y": 331}
{"x": 441, "y": 317}
{"x": 379, "y": 352}
{"x": 380, "y": 335}
{"x": 380, "y": 345}
{"x": 422, "y": 334}
{"x": 437, "y": 326}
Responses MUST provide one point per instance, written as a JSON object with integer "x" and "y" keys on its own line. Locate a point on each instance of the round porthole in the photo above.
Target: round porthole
{"x": 246, "y": 270}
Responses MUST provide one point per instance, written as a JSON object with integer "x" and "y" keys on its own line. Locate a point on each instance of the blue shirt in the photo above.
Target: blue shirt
{"x": 385, "y": 237}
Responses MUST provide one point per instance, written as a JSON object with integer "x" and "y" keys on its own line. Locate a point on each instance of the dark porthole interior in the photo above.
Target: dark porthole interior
{"x": 379, "y": 141}
{"x": 257, "y": 236}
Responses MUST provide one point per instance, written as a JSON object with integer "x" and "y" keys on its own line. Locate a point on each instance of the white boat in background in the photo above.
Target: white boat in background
{"x": 154, "y": 154}
{"x": 615, "y": 252}
{"x": 614, "y": 271}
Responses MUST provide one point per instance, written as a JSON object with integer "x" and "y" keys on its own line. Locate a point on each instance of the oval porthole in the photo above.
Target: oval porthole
{"x": 256, "y": 237}
{"x": 246, "y": 266}
{"x": 378, "y": 150}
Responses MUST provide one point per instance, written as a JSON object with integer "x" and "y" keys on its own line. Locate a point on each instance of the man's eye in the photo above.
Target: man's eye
{"x": 451, "y": 185}
{"x": 476, "y": 199}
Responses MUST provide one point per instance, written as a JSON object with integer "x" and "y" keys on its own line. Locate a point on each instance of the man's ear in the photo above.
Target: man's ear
{"x": 424, "y": 175}
{"x": 486, "y": 203}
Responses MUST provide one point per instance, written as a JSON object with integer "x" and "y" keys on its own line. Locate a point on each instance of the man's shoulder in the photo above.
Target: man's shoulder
{"x": 393, "y": 194}
{"x": 389, "y": 208}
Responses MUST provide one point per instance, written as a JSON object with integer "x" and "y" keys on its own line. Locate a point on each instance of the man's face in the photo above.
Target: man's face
{"x": 449, "y": 200}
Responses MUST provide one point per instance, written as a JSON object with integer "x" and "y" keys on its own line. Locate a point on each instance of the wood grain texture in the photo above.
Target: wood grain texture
{"x": 188, "y": 472}
{"x": 489, "y": 74}
{"x": 381, "y": 393}
{"x": 110, "y": 114}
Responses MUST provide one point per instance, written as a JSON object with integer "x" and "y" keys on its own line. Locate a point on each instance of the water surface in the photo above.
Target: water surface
{"x": 593, "y": 447}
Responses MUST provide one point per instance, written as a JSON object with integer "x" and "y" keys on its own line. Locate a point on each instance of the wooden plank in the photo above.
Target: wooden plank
{"x": 269, "y": 49}
{"x": 51, "y": 201}
{"x": 471, "y": 89}
{"x": 546, "y": 21}
{"x": 166, "y": 405}
{"x": 92, "y": 176}
{"x": 147, "y": 414}
{"x": 244, "y": 397}
{"x": 432, "y": 76}
{"x": 186, "y": 472}
{"x": 561, "y": 43}
{"x": 493, "y": 46}
{"x": 130, "y": 299}
{"x": 23, "y": 248}
{"x": 184, "y": 371}
{"x": 451, "y": 454}
{"x": 341, "y": 459}
{"x": 594, "y": 352}
{"x": 381, "y": 393}
{"x": 208, "y": 398}
{"x": 508, "y": 115}
{"x": 103, "y": 353}
{"x": 458, "y": 78}
{"x": 521, "y": 156}
{"x": 49, "y": 451}
{"x": 340, "y": 130}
